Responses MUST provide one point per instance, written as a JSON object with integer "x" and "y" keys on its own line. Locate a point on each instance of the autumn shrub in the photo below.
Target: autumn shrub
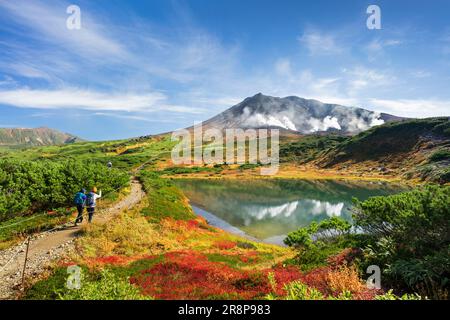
{"x": 189, "y": 274}
{"x": 126, "y": 234}
{"x": 344, "y": 279}
{"x": 225, "y": 244}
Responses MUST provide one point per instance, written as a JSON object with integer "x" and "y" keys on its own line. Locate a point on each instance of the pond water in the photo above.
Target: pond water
{"x": 268, "y": 209}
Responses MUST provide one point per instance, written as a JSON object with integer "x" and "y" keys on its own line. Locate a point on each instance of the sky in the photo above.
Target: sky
{"x": 144, "y": 67}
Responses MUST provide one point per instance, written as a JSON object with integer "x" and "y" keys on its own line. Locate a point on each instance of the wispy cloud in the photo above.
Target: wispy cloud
{"x": 377, "y": 47}
{"x": 131, "y": 117}
{"x": 319, "y": 43}
{"x": 89, "y": 100}
{"x": 92, "y": 40}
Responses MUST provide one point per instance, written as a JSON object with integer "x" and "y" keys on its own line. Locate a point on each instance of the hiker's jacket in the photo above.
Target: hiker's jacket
{"x": 91, "y": 199}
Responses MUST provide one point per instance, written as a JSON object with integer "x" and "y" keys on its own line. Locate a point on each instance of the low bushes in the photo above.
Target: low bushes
{"x": 31, "y": 186}
{"x": 407, "y": 235}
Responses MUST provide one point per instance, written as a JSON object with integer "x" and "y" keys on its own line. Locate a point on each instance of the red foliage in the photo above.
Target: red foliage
{"x": 345, "y": 257}
{"x": 189, "y": 275}
{"x": 112, "y": 260}
{"x": 225, "y": 245}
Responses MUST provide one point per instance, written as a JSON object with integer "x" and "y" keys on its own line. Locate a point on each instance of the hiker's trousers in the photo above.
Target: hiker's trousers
{"x": 91, "y": 213}
{"x": 80, "y": 209}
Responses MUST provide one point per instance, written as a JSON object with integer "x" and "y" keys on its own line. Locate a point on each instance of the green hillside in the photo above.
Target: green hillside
{"x": 34, "y": 137}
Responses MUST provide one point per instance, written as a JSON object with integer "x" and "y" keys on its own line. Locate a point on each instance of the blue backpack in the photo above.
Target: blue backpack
{"x": 79, "y": 199}
{"x": 90, "y": 200}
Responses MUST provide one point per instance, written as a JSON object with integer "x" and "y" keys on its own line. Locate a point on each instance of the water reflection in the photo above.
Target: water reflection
{"x": 269, "y": 209}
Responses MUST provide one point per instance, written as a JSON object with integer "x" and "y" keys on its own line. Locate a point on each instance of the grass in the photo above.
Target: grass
{"x": 124, "y": 154}
{"x": 165, "y": 199}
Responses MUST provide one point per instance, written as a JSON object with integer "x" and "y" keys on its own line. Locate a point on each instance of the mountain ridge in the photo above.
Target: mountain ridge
{"x": 41, "y": 136}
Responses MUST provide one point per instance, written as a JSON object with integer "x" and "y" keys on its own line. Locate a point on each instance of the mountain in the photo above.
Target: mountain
{"x": 418, "y": 148}
{"x": 411, "y": 149}
{"x": 34, "y": 137}
{"x": 297, "y": 115}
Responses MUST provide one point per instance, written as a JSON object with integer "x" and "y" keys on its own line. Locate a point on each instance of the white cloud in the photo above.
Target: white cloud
{"x": 283, "y": 66}
{"x": 319, "y": 43}
{"x": 89, "y": 100}
{"x": 130, "y": 117}
{"x": 376, "y": 48}
{"x": 359, "y": 78}
{"x": 420, "y": 108}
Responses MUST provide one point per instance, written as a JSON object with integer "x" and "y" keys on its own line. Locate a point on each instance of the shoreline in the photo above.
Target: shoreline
{"x": 294, "y": 176}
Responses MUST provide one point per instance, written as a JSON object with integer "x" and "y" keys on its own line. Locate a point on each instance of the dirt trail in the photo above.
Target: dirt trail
{"x": 48, "y": 246}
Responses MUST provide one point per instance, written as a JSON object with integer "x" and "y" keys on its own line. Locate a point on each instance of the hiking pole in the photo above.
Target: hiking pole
{"x": 25, "y": 262}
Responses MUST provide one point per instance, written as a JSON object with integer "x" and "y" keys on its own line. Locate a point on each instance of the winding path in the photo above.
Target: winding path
{"x": 47, "y": 246}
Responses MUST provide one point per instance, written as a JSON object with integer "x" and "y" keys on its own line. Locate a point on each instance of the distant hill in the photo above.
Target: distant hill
{"x": 417, "y": 148}
{"x": 34, "y": 137}
{"x": 297, "y": 115}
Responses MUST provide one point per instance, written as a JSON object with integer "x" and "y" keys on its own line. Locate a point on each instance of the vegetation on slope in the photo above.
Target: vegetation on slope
{"x": 35, "y": 196}
{"x": 34, "y": 137}
{"x": 309, "y": 148}
{"x": 124, "y": 154}
{"x": 406, "y": 235}
{"x": 407, "y": 147}
{"x": 35, "y": 181}
{"x": 165, "y": 254}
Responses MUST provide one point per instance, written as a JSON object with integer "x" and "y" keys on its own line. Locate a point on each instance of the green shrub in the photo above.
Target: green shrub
{"x": 31, "y": 186}
{"x": 440, "y": 155}
{"x": 391, "y": 296}
{"x": 410, "y": 238}
{"x": 107, "y": 286}
{"x": 319, "y": 241}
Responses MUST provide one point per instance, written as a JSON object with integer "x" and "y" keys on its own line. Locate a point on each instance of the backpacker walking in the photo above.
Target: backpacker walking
{"x": 91, "y": 202}
{"x": 80, "y": 202}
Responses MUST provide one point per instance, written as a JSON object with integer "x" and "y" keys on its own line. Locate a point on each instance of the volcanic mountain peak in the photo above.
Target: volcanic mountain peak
{"x": 297, "y": 114}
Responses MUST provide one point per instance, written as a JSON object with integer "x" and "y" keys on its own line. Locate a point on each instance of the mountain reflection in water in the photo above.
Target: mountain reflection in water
{"x": 267, "y": 209}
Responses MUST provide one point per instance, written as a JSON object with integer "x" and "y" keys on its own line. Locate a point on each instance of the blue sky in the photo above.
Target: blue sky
{"x": 143, "y": 67}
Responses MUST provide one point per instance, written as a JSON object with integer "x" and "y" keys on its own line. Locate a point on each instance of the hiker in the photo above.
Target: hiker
{"x": 91, "y": 202}
{"x": 80, "y": 202}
